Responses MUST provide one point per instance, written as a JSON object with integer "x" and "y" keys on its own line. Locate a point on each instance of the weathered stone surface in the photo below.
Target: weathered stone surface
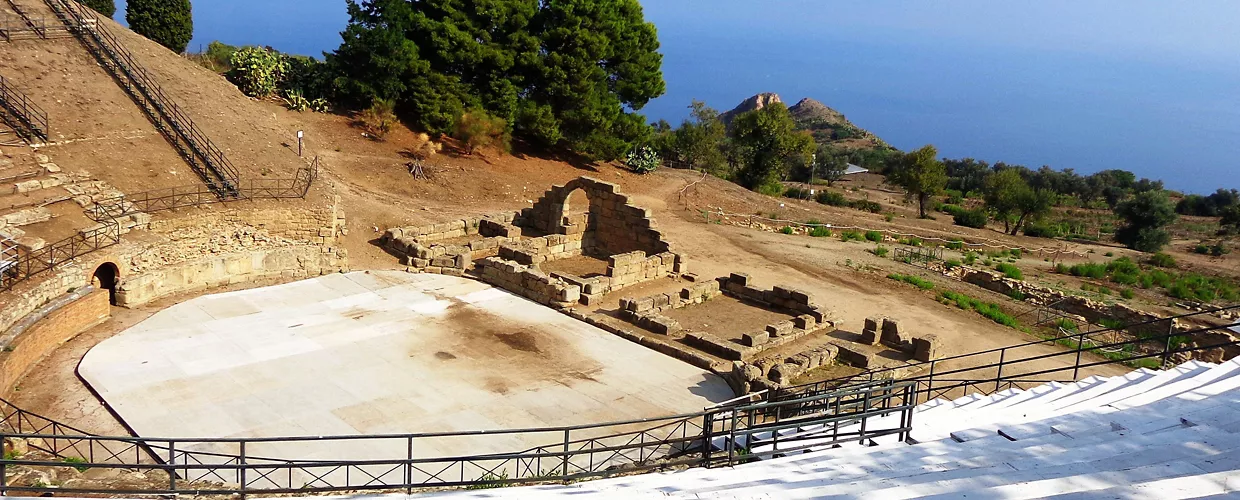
{"x": 755, "y": 339}
{"x": 891, "y": 333}
{"x": 779, "y": 329}
{"x": 926, "y": 348}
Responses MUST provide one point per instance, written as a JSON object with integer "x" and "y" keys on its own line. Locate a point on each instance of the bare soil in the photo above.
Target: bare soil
{"x": 581, "y": 266}
{"x": 726, "y": 317}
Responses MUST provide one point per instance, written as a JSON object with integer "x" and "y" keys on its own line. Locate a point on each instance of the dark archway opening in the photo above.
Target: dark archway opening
{"x": 105, "y": 278}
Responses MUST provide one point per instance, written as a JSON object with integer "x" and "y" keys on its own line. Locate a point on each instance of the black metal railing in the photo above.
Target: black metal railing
{"x": 1025, "y": 364}
{"x": 919, "y": 255}
{"x": 107, "y": 212}
{"x": 247, "y": 466}
{"x": 197, "y": 195}
{"x": 31, "y": 120}
{"x": 207, "y": 160}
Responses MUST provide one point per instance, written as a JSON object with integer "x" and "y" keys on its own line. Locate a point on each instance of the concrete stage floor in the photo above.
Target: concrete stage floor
{"x": 380, "y": 352}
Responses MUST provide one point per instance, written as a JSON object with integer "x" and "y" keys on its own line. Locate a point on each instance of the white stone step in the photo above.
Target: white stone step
{"x": 1212, "y": 485}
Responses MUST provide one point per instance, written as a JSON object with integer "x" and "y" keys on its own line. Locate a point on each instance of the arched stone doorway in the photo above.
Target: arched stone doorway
{"x": 576, "y": 209}
{"x": 106, "y": 277}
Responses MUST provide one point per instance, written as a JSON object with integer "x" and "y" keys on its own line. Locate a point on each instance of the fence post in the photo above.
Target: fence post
{"x": 1080, "y": 347}
{"x": 409, "y": 466}
{"x": 999, "y": 372}
{"x": 1167, "y": 345}
{"x": 707, "y": 428}
{"x": 241, "y": 468}
{"x": 566, "y": 439}
{"x": 172, "y": 467}
{"x": 930, "y": 382}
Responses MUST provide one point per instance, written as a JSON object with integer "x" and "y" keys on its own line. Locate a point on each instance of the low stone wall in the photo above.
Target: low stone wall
{"x": 528, "y": 282}
{"x": 45, "y": 329}
{"x": 615, "y": 225}
{"x": 420, "y": 247}
{"x": 29, "y": 296}
{"x": 220, "y": 270}
{"x": 922, "y": 348}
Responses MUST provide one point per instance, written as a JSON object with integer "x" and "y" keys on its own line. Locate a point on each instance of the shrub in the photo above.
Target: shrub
{"x": 847, "y": 236}
{"x": 912, "y": 280}
{"x": 167, "y": 22}
{"x": 479, "y": 129}
{"x": 1202, "y": 249}
{"x": 874, "y": 236}
{"x": 866, "y": 205}
{"x": 955, "y": 244}
{"x": 787, "y": 230}
{"x": 1089, "y": 270}
{"x": 951, "y": 263}
{"x": 379, "y": 118}
{"x": 295, "y": 101}
{"x": 971, "y": 218}
{"x": 1218, "y": 250}
{"x": 954, "y": 197}
{"x": 1010, "y": 271}
{"x": 1066, "y": 325}
{"x": 217, "y": 57}
{"x": 911, "y": 241}
{"x": 889, "y": 217}
{"x": 951, "y": 209}
{"x": 831, "y": 198}
{"x": 880, "y": 251}
{"x": 1161, "y": 259}
{"x": 796, "y": 192}
{"x": 1104, "y": 290}
{"x": 820, "y": 232}
{"x": 77, "y": 460}
{"x": 1042, "y": 229}
{"x": 1127, "y": 293}
{"x": 1016, "y": 295}
{"x": 256, "y": 71}
{"x": 1016, "y": 253}
{"x": 970, "y": 258}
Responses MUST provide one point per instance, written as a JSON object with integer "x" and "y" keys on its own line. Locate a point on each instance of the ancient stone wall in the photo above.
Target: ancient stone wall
{"x": 528, "y": 282}
{"x": 45, "y": 329}
{"x": 29, "y": 296}
{"x": 219, "y": 270}
{"x": 613, "y": 225}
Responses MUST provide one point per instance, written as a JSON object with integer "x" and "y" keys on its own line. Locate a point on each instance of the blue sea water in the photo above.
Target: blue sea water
{"x": 1142, "y": 85}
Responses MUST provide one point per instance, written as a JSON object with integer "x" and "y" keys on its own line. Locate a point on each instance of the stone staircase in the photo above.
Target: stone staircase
{"x": 1148, "y": 434}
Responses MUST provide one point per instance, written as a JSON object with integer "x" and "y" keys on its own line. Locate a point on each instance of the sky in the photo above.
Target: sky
{"x": 1143, "y": 85}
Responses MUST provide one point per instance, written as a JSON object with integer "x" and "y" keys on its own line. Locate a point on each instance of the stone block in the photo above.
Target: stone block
{"x": 644, "y": 304}
{"x": 755, "y": 339}
{"x": 661, "y": 300}
{"x": 804, "y": 322}
{"x": 740, "y": 279}
{"x": 891, "y": 334}
{"x": 869, "y": 337}
{"x": 462, "y": 260}
{"x": 872, "y": 323}
{"x": 782, "y": 373}
{"x": 443, "y": 262}
{"x": 926, "y": 348}
{"x": 779, "y": 329}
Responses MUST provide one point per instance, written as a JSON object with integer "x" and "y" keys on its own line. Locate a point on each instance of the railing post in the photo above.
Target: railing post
{"x": 1080, "y": 347}
{"x": 865, "y": 407}
{"x": 707, "y": 428}
{"x": 409, "y": 466}
{"x": 172, "y": 467}
{"x": 999, "y": 372}
{"x": 1167, "y": 345}
{"x": 930, "y": 381}
{"x": 566, "y": 439}
{"x": 241, "y": 468}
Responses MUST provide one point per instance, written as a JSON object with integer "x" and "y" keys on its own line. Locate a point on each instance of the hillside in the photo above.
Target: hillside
{"x": 826, "y": 124}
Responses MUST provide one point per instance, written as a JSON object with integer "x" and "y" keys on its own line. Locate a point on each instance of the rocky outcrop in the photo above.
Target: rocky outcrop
{"x": 751, "y": 104}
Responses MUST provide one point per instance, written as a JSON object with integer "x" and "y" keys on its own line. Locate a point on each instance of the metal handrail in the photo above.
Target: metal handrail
{"x": 107, "y": 213}
{"x": 219, "y": 172}
{"x": 890, "y": 371}
{"x": 687, "y": 439}
{"x": 31, "y": 116}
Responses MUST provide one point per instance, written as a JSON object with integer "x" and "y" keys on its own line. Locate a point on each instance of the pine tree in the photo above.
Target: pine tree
{"x": 168, "y": 22}
{"x": 105, "y": 7}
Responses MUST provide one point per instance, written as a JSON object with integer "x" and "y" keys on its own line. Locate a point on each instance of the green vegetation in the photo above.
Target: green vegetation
{"x": 920, "y": 174}
{"x": 786, "y": 230}
{"x": 1213, "y": 205}
{"x": 847, "y": 236}
{"x": 378, "y": 119}
{"x": 951, "y": 263}
{"x": 1161, "y": 259}
{"x": 987, "y": 309}
{"x": 488, "y": 477}
{"x": 1184, "y": 286}
{"x": 1009, "y": 196}
{"x": 955, "y": 244}
{"x": 167, "y": 22}
{"x": 699, "y": 143}
{"x": 257, "y": 71}
{"x": 1146, "y": 217}
{"x": 1127, "y": 293}
{"x": 912, "y": 280}
{"x": 105, "y": 7}
{"x": 563, "y": 74}
{"x": 1010, "y": 271}
{"x": 768, "y": 145}
{"x": 820, "y": 232}
{"x": 912, "y": 241}
{"x": 970, "y": 258}
{"x": 76, "y": 460}
{"x": 874, "y": 236}
{"x": 478, "y": 129}
{"x": 880, "y": 251}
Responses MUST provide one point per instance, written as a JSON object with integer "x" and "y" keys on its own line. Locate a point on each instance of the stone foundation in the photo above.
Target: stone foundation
{"x": 45, "y": 329}
{"x": 528, "y": 282}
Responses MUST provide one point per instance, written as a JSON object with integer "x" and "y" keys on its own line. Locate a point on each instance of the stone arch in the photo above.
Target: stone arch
{"x": 107, "y": 277}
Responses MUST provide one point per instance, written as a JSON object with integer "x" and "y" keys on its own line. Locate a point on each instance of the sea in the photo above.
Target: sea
{"x": 1143, "y": 85}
